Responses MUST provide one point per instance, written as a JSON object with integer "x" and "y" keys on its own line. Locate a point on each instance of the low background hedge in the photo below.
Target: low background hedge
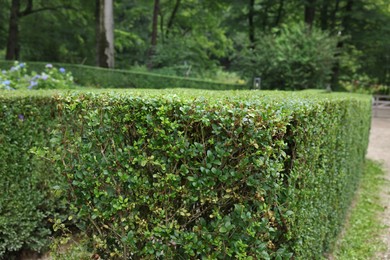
{"x": 109, "y": 78}
{"x": 205, "y": 174}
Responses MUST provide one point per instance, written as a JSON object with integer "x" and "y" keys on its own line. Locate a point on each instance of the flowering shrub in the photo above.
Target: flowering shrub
{"x": 17, "y": 77}
{"x": 14, "y": 77}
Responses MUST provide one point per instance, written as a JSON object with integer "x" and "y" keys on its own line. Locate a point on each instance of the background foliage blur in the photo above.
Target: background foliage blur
{"x": 290, "y": 44}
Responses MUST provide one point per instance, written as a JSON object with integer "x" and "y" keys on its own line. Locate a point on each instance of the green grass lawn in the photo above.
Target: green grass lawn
{"x": 361, "y": 239}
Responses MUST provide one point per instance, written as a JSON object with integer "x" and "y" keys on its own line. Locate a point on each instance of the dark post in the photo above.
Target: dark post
{"x": 257, "y": 83}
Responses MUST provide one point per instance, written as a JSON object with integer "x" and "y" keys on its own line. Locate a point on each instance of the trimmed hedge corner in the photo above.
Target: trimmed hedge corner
{"x": 216, "y": 175}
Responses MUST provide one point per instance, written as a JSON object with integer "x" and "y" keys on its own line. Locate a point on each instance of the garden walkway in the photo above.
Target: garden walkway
{"x": 379, "y": 149}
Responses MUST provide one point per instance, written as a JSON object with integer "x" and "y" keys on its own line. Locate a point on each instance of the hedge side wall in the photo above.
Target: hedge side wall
{"x": 114, "y": 78}
{"x": 327, "y": 151}
{"x": 27, "y": 199}
{"x": 242, "y": 175}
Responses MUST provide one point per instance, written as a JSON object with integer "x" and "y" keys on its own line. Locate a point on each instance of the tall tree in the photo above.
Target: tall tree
{"x": 152, "y": 49}
{"x": 13, "y": 44}
{"x": 172, "y": 17}
{"x": 105, "y": 33}
{"x": 13, "y": 47}
{"x": 345, "y": 23}
{"x": 310, "y": 10}
{"x": 251, "y": 24}
{"x": 347, "y": 15}
{"x": 279, "y": 13}
{"x": 333, "y": 15}
{"x": 324, "y": 15}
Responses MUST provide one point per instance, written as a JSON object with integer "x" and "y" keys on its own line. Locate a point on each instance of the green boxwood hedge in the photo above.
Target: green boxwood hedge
{"x": 27, "y": 200}
{"x": 114, "y": 78}
{"x": 178, "y": 174}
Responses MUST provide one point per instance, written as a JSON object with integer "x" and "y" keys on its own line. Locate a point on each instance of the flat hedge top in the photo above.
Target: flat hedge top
{"x": 282, "y": 103}
{"x": 208, "y": 96}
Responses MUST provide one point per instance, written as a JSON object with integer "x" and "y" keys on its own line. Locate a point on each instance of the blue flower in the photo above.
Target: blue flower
{"x": 4, "y": 71}
{"x": 8, "y": 88}
{"x": 7, "y": 82}
{"x": 62, "y": 70}
{"x": 32, "y": 84}
{"x": 21, "y": 117}
{"x": 22, "y": 65}
{"x": 49, "y": 66}
{"x": 44, "y": 76}
{"x": 14, "y": 68}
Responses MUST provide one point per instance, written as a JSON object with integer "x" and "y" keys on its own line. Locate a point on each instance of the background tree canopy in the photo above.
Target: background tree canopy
{"x": 317, "y": 41}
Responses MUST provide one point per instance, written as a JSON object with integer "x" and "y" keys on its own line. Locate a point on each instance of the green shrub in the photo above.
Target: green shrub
{"x": 219, "y": 175}
{"x": 14, "y": 77}
{"x": 327, "y": 152}
{"x": 363, "y": 84}
{"x": 17, "y": 77}
{"x": 378, "y": 89}
{"x": 108, "y": 78}
{"x": 261, "y": 177}
{"x": 292, "y": 58}
{"x": 27, "y": 199}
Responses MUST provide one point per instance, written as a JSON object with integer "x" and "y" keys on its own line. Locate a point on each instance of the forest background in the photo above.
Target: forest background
{"x": 290, "y": 44}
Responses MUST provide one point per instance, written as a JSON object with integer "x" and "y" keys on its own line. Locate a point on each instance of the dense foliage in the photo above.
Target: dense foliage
{"x": 28, "y": 199}
{"x": 293, "y": 58}
{"x": 204, "y": 174}
{"x": 19, "y": 77}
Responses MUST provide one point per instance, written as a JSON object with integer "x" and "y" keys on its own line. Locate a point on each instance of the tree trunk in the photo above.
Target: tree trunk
{"x": 279, "y": 13}
{"x": 104, "y": 15}
{"x": 345, "y": 24}
{"x": 13, "y": 47}
{"x": 152, "y": 49}
{"x": 334, "y": 14}
{"x": 172, "y": 17}
{"x": 310, "y": 11}
{"x": 251, "y": 25}
{"x": 324, "y": 15}
{"x": 347, "y": 15}
{"x": 265, "y": 16}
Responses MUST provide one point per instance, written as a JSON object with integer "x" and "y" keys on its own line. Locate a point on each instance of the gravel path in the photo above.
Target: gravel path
{"x": 379, "y": 149}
